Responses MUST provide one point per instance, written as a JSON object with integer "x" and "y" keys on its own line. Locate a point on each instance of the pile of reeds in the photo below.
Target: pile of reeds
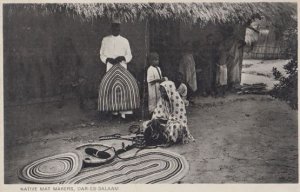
{"x": 257, "y": 88}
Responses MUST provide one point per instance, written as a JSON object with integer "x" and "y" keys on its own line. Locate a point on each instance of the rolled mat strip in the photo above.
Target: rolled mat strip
{"x": 148, "y": 166}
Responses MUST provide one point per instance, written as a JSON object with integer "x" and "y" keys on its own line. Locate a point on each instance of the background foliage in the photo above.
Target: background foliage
{"x": 287, "y": 88}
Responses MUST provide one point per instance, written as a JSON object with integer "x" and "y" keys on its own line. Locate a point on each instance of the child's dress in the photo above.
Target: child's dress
{"x": 153, "y": 73}
{"x": 182, "y": 90}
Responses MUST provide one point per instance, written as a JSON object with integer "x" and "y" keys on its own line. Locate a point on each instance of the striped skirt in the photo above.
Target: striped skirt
{"x": 118, "y": 91}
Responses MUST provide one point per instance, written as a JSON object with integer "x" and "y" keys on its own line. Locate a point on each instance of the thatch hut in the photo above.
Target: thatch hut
{"x": 266, "y": 40}
{"x": 34, "y": 35}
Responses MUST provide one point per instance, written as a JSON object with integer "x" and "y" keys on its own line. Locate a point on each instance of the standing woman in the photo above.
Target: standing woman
{"x": 187, "y": 66}
{"x": 234, "y": 43}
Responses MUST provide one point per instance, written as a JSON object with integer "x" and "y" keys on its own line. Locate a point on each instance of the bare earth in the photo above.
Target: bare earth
{"x": 239, "y": 139}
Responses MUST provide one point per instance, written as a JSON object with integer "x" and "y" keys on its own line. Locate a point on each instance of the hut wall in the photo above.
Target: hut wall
{"x": 31, "y": 44}
{"x": 198, "y": 34}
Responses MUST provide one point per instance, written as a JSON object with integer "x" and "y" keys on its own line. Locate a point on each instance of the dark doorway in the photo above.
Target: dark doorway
{"x": 165, "y": 40}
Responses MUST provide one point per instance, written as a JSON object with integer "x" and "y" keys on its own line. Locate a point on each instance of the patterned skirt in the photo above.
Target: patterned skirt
{"x": 118, "y": 91}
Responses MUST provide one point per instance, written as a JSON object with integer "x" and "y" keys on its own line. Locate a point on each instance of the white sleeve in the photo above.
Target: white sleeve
{"x": 128, "y": 55}
{"x": 103, "y": 57}
{"x": 184, "y": 92}
{"x": 150, "y": 75}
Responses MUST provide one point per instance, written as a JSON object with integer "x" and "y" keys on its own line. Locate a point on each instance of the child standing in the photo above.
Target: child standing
{"x": 154, "y": 78}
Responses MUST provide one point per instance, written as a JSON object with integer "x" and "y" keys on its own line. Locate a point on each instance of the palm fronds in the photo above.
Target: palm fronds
{"x": 186, "y": 12}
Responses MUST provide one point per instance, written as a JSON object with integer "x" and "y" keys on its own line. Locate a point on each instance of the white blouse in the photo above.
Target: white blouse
{"x": 113, "y": 47}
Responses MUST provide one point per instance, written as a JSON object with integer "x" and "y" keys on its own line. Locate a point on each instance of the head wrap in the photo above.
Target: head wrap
{"x": 174, "y": 111}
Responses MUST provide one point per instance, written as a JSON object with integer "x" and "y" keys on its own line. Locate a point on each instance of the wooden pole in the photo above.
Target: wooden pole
{"x": 145, "y": 65}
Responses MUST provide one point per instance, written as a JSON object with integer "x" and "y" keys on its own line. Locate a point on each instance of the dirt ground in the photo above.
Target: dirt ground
{"x": 239, "y": 138}
{"x": 260, "y": 71}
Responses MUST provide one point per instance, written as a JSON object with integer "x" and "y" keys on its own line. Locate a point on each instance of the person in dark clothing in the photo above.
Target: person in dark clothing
{"x": 207, "y": 62}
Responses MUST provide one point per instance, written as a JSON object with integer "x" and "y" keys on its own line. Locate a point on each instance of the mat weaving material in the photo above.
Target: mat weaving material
{"x": 148, "y": 166}
{"x": 52, "y": 169}
{"x": 118, "y": 91}
{"x": 88, "y": 159}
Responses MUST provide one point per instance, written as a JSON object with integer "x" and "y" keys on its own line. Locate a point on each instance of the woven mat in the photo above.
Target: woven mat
{"x": 118, "y": 90}
{"x": 52, "y": 169}
{"x": 147, "y": 166}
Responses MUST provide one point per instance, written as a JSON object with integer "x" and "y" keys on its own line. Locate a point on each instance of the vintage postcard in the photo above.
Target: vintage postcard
{"x": 176, "y": 94}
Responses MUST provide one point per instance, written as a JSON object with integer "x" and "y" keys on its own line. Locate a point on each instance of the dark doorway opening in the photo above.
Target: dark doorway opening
{"x": 165, "y": 40}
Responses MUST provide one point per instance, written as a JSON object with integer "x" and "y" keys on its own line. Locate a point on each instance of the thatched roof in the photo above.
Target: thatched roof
{"x": 187, "y": 12}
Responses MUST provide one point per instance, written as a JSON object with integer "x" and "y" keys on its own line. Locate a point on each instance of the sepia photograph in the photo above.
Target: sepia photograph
{"x": 150, "y": 93}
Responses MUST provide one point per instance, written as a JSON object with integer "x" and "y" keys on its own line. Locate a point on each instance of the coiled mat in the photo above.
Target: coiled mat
{"x": 118, "y": 90}
{"x": 52, "y": 169}
{"x": 146, "y": 166}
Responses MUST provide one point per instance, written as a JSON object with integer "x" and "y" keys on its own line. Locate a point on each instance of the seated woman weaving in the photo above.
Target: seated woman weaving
{"x": 169, "y": 122}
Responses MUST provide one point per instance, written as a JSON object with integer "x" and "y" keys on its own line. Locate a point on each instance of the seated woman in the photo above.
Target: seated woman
{"x": 169, "y": 122}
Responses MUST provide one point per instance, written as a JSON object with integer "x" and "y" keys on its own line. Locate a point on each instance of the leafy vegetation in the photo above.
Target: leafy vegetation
{"x": 287, "y": 88}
